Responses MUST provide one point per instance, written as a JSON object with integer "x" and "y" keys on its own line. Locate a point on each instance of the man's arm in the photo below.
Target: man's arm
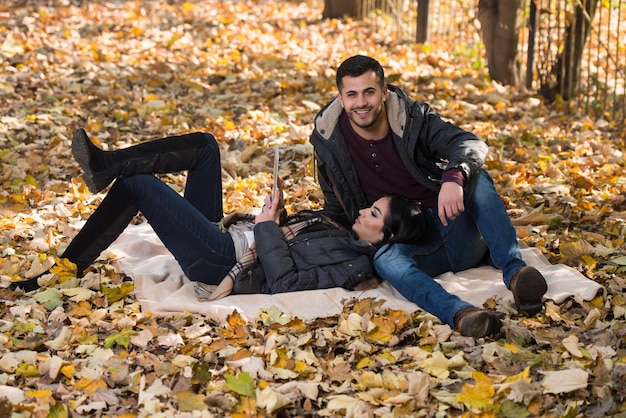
{"x": 460, "y": 148}
{"x": 332, "y": 205}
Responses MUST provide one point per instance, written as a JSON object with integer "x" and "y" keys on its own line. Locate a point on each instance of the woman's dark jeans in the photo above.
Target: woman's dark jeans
{"x": 187, "y": 225}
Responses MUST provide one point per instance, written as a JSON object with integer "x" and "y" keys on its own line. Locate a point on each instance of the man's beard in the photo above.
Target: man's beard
{"x": 365, "y": 124}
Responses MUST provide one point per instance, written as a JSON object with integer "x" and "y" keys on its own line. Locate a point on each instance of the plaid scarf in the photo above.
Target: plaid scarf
{"x": 293, "y": 226}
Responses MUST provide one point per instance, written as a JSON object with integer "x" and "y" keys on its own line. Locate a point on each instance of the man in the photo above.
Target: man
{"x": 372, "y": 140}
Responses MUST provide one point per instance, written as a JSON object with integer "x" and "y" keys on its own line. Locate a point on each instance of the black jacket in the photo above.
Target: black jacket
{"x": 427, "y": 144}
{"x": 324, "y": 258}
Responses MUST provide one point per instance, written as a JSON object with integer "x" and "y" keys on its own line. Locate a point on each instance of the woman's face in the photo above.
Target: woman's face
{"x": 369, "y": 224}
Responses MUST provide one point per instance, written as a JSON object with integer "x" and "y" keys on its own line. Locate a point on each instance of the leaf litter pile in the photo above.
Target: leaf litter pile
{"x": 254, "y": 74}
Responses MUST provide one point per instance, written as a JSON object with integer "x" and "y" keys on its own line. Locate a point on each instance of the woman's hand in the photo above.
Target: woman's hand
{"x": 272, "y": 208}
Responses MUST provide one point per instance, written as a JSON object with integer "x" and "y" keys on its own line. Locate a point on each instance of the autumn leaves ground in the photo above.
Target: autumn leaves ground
{"x": 254, "y": 74}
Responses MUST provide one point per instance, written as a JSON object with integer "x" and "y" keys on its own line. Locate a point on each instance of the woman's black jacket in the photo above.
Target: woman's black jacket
{"x": 320, "y": 259}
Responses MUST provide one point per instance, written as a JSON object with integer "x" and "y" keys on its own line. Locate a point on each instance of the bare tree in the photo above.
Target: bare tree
{"x": 340, "y": 8}
{"x": 565, "y": 74}
{"x": 500, "y": 32}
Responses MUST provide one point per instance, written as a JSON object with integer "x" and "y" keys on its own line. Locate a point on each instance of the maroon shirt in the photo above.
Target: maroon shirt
{"x": 381, "y": 170}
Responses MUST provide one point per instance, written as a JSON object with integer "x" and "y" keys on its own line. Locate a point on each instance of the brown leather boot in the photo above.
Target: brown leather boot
{"x": 478, "y": 323}
{"x": 528, "y": 287}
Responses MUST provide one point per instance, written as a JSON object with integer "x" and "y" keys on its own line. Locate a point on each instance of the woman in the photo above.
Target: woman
{"x": 307, "y": 251}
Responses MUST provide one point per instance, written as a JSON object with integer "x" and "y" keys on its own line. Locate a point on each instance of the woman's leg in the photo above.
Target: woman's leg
{"x": 164, "y": 155}
{"x": 203, "y": 251}
{"x": 104, "y": 225}
{"x": 204, "y": 181}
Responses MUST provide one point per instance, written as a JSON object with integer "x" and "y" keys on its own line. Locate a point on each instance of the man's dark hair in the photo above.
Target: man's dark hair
{"x": 358, "y": 65}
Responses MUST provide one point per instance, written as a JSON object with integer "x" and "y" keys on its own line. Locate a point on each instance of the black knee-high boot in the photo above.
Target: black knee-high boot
{"x": 104, "y": 225}
{"x": 165, "y": 155}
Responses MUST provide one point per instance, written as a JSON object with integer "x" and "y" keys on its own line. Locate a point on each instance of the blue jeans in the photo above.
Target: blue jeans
{"x": 186, "y": 225}
{"x": 483, "y": 233}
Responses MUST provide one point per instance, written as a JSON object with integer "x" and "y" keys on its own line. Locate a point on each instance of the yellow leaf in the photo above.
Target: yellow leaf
{"x": 478, "y": 396}
{"x": 39, "y": 394}
{"x": 523, "y": 375}
{"x": 189, "y": 401}
{"x": 31, "y": 180}
{"x": 365, "y": 362}
{"x": 384, "y": 331}
{"x": 64, "y": 269}
{"x": 281, "y": 359}
{"x": 437, "y": 365}
{"x": 512, "y": 348}
{"x": 589, "y": 262}
{"x": 117, "y": 293}
{"x": 27, "y": 370}
{"x": 385, "y": 358}
{"x": 368, "y": 379}
{"x": 90, "y": 385}
{"x": 394, "y": 381}
{"x": 68, "y": 371}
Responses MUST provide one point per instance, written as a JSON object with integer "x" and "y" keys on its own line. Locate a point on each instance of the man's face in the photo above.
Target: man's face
{"x": 363, "y": 100}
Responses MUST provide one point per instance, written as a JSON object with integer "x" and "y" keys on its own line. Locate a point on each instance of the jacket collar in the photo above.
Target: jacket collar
{"x": 328, "y": 118}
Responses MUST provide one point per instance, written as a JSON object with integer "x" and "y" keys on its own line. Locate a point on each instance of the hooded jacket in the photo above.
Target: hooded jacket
{"x": 427, "y": 145}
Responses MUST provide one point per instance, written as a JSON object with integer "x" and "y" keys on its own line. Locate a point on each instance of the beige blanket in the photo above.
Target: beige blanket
{"x": 162, "y": 288}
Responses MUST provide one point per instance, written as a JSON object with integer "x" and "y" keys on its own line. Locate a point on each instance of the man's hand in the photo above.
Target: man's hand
{"x": 450, "y": 202}
{"x": 272, "y": 208}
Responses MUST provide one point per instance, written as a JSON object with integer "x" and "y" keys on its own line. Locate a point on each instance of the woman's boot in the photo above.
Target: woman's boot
{"x": 165, "y": 155}
{"x": 103, "y": 227}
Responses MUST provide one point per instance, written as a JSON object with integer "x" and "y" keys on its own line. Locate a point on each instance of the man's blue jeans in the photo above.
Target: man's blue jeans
{"x": 483, "y": 233}
{"x": 186, "y": 225}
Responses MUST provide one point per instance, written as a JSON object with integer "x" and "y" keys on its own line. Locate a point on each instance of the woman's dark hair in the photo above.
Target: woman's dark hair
{"x": 405, "y": 222}
{"x": 358, "y": 65}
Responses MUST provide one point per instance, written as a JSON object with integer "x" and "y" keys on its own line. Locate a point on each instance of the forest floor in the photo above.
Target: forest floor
{"x": 254, "y": 74}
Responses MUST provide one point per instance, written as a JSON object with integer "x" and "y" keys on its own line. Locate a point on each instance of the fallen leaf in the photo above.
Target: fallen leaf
{"x": 564, "y": 381}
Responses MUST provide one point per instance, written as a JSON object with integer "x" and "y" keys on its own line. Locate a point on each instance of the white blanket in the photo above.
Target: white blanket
{"x": 162, "y": 288}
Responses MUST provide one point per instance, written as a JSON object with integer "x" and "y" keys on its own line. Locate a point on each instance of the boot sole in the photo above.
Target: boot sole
{"x": 529, "y": 290}
{"x": 82, "y": 154}
{"x": 481, "y": 324}
{"x": 27, "y": 285}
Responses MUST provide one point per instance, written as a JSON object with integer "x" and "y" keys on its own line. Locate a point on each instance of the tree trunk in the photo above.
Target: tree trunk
{"x": 336, "y": 9}
{"x": 500, "y": 31}
{"x": 566, "y": 71}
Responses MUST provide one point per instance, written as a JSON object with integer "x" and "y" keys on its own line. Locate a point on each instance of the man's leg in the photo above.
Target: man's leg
{"x": 396, "y": 264}
{"x": 485, "y": 206}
